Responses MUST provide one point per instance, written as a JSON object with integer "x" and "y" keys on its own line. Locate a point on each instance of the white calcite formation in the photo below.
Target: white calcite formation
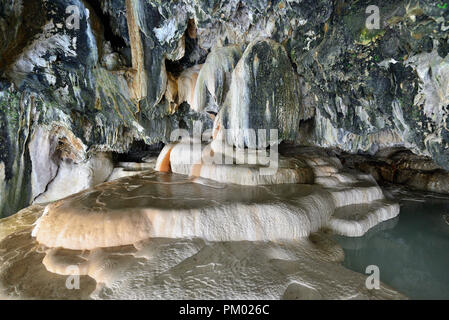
{"x": 264, "y": 94}
{"x": 356, "y": 220}
{"x": 213, "y": 220}
{"x": 61, "y": 165}
{"x": 162, "y": 235}
{"x": 159, "y": 205}
{"x": 186, "y": 85}
{"x": 356, "y": 201}
{"x": 196, "y": 160}
{"x": 175, "y": 268}
{"x": 214, "y": 79}
{"x": 359, "y": 201}
{"x": 72, "y": 177}
{"x": 182, "y": 88}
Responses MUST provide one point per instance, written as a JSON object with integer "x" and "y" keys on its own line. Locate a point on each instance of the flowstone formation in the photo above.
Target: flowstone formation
{"x": 166, "y": 236}
{"x": 191, "y": 223}
{"x": 147, "y": 135}
{"x": 351, "y": 204}
{"x": 102, "y": 75}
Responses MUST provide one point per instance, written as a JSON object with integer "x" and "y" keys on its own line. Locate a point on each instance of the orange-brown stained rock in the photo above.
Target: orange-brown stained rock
{"x": 216, "y": 131}
{"x": 163, "y": 161}
{"x": 196, "y": 170}
{"x": 171, "y": 94}
{"x": 68, "y": 145}
{"x": 138, "y": 88}
{"x": 191, "y": 29}
{"x": 186, "y": 85}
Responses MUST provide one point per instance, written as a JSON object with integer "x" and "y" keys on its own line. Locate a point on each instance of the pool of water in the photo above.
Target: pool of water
{"x": 411, "y": 251}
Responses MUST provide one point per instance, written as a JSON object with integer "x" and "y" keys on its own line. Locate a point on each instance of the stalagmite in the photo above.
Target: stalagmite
{"x": 264, "y": 94}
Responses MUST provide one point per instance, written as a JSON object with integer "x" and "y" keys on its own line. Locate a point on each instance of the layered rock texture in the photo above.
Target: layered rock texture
{"x": 345, "y": 202}
{"x": 210, "y": 147}
{"x": 399, "y": 166}
{"x": 161, "y": 235}
{"x": 159, "y": 268}
{"x": 99, "y": 75}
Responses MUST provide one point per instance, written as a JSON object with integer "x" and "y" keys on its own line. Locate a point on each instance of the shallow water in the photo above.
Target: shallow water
{"x": 411, "y": 251}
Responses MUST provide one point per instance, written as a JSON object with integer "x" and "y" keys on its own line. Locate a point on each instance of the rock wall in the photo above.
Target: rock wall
{"x": 108, "y": 73}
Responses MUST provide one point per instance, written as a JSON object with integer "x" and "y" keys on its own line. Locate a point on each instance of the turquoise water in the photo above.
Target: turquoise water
{"x": 411, "y": 251}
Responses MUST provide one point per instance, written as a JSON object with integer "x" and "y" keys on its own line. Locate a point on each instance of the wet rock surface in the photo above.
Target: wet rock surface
{"x": 166, "y": 236}
{"x": 264, "y": 94}
{"x": 91, "y": 92}
{"x": 184, "y": 269}
{"x": 334, "y": 82}
{"x": 399, "y": 166}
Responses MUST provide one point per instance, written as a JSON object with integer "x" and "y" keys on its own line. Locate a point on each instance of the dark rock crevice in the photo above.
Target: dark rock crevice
{"x": 137, "y": 151}
{"x": 193, "y": 54}
{"x": 110, "y": 34}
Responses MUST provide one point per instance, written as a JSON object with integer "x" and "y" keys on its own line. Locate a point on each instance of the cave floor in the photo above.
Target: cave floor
{"x": 200, "y": 240}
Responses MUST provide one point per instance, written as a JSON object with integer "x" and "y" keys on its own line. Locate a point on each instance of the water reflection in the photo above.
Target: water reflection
{"x": 412, "y": 251}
